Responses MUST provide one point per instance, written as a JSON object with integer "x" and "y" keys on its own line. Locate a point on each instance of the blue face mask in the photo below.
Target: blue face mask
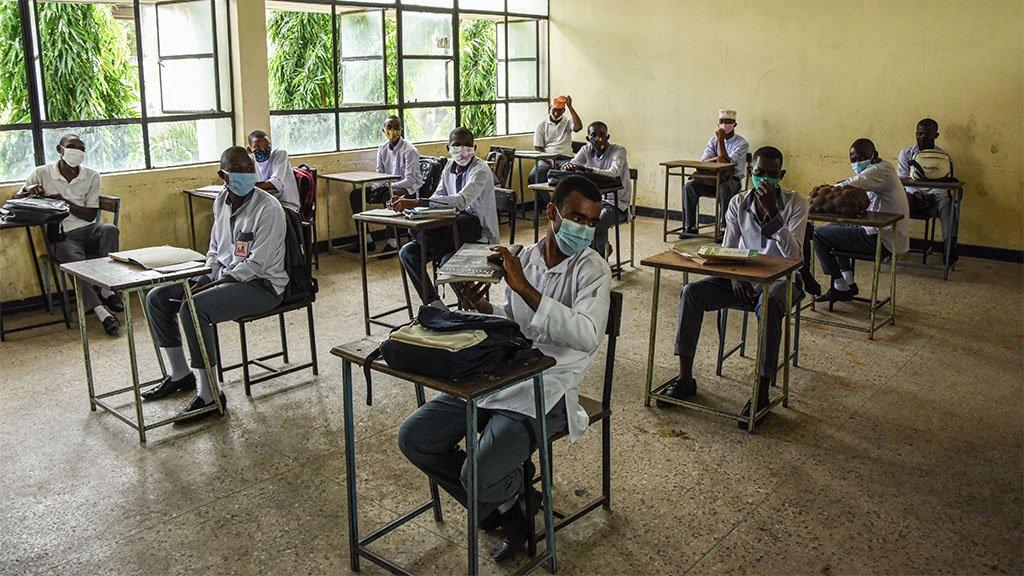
{"x": 261, "y": 155}
{"x": 573, "y": 237}
{"x": 756, "y": 180}
{"x": 241, "y": 183}
{"x": 861, "y": 166}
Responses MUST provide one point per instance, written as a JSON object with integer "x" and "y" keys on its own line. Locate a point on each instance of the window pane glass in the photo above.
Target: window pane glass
{"x": 361, "y": 34}
{"x": 303, "y": 133}
{"x": 300, "y": 60}
{"x": 362, "y": 82}
{"x": 428, "y": 124}
{"x": 107, "y": 148}
{"x": 185, "y": 28}
{"x": 482, "y": 119}
{"x": 428, "y": 80}
{"x": 522, "y": 39}
{"x": 491, "y": 5}
{"x": 188, "y": 141}
{"x": 361, "y": 129}
{"x": 425, "y": 34}
{"x": 539, "y": 7}
{"x": 502, "y": 118}
{"x": 187, "y": 85}
{"x": 90, "y": 69}
{"x": 434, "y": 3}
{"x": 522, "y": 79}
{"x": 478, "y": 61}
{"x": 523, "y": 117}
{"x": 13, "y": 87}
{"x": 16, "y": 155}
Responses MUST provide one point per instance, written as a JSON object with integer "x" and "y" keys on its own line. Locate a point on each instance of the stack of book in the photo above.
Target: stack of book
{"x": 714, "y": 254}
{"x": 420, "y": 213}
{"x": 470, "y": 264}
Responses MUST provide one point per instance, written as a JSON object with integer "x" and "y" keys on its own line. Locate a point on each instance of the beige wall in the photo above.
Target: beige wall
{"x": 808, "y": 77}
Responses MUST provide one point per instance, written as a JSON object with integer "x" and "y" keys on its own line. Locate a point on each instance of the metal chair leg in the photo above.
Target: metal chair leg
{"x": 284, "y": 338}
{"x": 743, "y": 336}
{"x": 796, "y": 338}
{"x": 245, "y": 359}
{"x": 723, "y": 319}
{"x": 606, "y": 461}
{"x": 312, "y": 339}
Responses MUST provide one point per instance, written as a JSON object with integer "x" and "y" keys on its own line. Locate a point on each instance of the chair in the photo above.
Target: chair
{"x": 109, "y": 204}
{"x": 577, "y": 146}
{"x": 597, "y": 411}
{"x": 505, "y": 200}
{"x": 723, "y": 319}
{"x": 505, "y": 158}
{"x": 306, "y": 179}
{"x": 431, "y": 169}
{"x": 286, "y": 306}
{"x": 720, "y": 210}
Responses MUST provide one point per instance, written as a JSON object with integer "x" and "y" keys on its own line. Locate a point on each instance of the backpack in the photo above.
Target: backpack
{"x": 555, "y": 177}
{"x": 931, "y": 165}
{"x": 431, "y": 169}
{"x": 35, "y": 211}
{"x": 301, "y": 284}
{"x": 449, "y": 344}
{"x": 305, "y": 179}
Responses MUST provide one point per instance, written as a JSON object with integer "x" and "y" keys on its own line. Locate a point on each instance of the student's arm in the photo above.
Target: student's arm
{"x": 731, "y": 238}
{"x": 577, "y": 124}
{"x": 92, "y": 201}
{"x": 580, "y": 159}
{"x": 32, "y": 186}
{"x": 615, "y": 170}
{"x": 789, "y": 233}
{"x": 538, "y": 137}
{"x": 870, "y": 179}
{"x": 412, "y": 171}
{"x": 903, "y": 164}
{"x": 279, "y": 167}
{"x": 472, "y": 188}
{"x": 710, "y": 150}
{"x": 267, "y": 248}
{"x": 581, "y": 326}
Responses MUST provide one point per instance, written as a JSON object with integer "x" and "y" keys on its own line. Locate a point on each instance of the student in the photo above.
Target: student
{"x": 400, "y": 158}
{"x": 468, "y": 185}
{"x": 927, "y": 133}
{"x": 69, "y": 180}
{"x": 772, "y": 221}
{"x": 558, "y": 294}
{"x": 600, "y": 156}
{"x": 247, "y": 249}
{"x": 554, "y": 136}
{"x": 273, "y": 170}
{"x": 725, "y": 146}
{"x": 887, "y": 194}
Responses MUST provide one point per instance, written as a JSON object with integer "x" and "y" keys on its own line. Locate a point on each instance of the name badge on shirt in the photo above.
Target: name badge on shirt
{"x": 242, "y": 244}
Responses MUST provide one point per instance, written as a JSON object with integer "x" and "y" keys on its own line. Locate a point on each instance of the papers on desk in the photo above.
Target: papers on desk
{"x": 158, "y": 258}
{"x": 382, "y": 212}
{"x": 420, "y": 213}
{"x": 470, "y": 264}
{"x": 714, "y": 254}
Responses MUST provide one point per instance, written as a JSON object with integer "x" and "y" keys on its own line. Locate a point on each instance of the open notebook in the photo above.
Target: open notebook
{"x": 161, "y": 258}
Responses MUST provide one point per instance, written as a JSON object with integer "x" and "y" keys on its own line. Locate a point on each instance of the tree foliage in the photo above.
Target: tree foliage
{"x": 478, "y": 74}
{"x": 300, "y": 67}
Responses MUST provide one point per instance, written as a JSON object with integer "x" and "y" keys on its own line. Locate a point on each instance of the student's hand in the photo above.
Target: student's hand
{"x": 35, "y": 190}
{"x": 399, "y": 204}
{"x": 766, "y": 200}
{"x": 570, "y": 167}
{"x": 474, "y": 293}
{"x": 744, "y": 292}
{"x": 568, "y": 101}
{"x": 720, "y": 134}
{"x": 513, "y": 268}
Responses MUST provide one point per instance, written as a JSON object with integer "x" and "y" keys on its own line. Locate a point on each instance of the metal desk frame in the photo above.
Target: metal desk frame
{"x": 47, "y": 297}
{"x": 719, "y": 168}
{"x": 205, "y": 193}
{"x": 956, "y": 194}
{"x": 347, "y": 178}
{"x": 521, "y": 155}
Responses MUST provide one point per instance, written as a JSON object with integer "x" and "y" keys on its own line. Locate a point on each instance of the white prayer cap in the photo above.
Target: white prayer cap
{"x": 726, "y": 114}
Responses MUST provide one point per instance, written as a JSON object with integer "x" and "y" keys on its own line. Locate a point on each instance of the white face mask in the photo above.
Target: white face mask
{"x": 462, "y": 155}
{"x": 73, "y": 157}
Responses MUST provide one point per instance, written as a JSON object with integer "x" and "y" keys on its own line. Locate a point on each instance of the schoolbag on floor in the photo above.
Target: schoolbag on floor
{"x": 301, "y": 284}
{"x": 931, "y": 165}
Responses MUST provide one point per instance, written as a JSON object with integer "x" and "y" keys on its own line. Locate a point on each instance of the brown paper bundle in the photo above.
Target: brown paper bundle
{"x": 847, "y": 201}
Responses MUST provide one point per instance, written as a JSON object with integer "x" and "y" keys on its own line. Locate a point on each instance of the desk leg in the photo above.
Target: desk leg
{"x": 874, "y": 284}
{"x": 718, "y": 207}
{"x": 327, "y": 201}
{"x": 472, "y": 513}
{"x": 85, "y": 346}
{"x": 654, "y": 333}
{"x": 134, "y": 364}
{"x": 664, "y": 214}
{"x": 765, "y": 289}
{"x": 892, "y": 291}
{"x": 522, "y": 192}
{"x": 536, "y": 215}
{"x": 789, "y": 320}
{"x": 957, "y": 198}
{"x": 618, "y": 243}
{"x": 362, "y": 245}
{"x": 435, "y": 496}
{"x": 214, "y": 384}
{"x": 350, "y": 467}
{"x": 545, "y": 472}
{"x": 192, "y": 221}
{"x": 361, "y": 238}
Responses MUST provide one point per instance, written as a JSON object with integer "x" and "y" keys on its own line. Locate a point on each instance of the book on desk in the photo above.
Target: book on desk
{"x": 707, "y": 254}
{"x": 163, "y": 259}
{"x": 471, "y": 264}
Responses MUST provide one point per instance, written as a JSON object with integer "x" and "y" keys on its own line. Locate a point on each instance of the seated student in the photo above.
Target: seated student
{"x": 554, "y": 136}
{"x": 247, "y": 250}
{"x": 725, "y": 146}
{"x": 887, "y": 194}
{"x": 927, "y": 133}
{"x": 767, "y": 219}
{"x": 468, "y": 185}
{"x": 600, "y": 156}
{"x": 68, "y": 180}
{"x": 396, "y": 156}
{"x": 273, "y": 170}
{"x": 558, "y": 293}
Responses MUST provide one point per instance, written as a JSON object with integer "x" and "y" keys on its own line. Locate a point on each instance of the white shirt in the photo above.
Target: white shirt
{"x": 278, "y": 171}
{"x": 83, "y": 190}
{"x": 737, "y": 147}
{"x": 248, "y": 242}
{"x": 906, "y": 155}
{"x": 781, "y": 236}
{"x": 471, "y": 192}
{"x": 554, "y": 137}
{"x": 402, "y": 160}
{"x": 568, "y": 326}
{"x": 887, "y": 194}
{"x": 612, "y": 163}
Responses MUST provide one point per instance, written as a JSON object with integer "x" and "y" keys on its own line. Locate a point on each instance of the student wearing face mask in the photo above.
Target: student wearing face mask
{"x": 724, "y": 146}
{"x": 68, "y": 180}
{"x": 246, "y": 254}
{"x": 397, "y": 157}
{"x": 558, "y": 292}
{"x": 467, "y": 184}
{"x": 887, "y": 194}
{"x": 600, "y": 156}
{"x": 772, "y": 221}
{"x": 274, "y": 170}
{"x": 554, "y": 136}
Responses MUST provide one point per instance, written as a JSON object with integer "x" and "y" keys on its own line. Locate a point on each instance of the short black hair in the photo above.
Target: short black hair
{"x": 67, "y": 137}
{"x": 597, "y": 123}
{"x": 392, "y": 117}
{"x": 928, "y": 122}
{"x": 863, "y": 143}
{"x": 461, "y": 130}
{"x": 256, "y": 135}
{"x": 232, "y": 152}
{"x": 572, "y": 184}
{"x": 769, "y": 153}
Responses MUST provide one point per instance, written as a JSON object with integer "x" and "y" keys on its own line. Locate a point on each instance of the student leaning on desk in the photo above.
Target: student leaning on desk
{"x": 558, "y": 294}
{"x": 69, "y": 180}
{"x": 247, "y": 250}
{"x": 772, "y": 221}
{"x": 600, "y": 156}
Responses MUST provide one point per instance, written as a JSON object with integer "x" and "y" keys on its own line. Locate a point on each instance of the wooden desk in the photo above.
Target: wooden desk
{"x": 128, "y": 278}
{"x": 204, "y": 193}
{"x": 879, "y": 220}
{"x": 470, "y": 389}
{"x": 720, "y": 170}
{"x": 362, "y": 220}
{"x": 955, "y": 189}
{"x": 357, "y": 178}
{"x": 763, "y": 270}
{"x": 521, "y": 155}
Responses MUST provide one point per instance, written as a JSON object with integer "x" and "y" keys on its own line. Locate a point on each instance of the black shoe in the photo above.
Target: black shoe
{"x": 191, "y": 413}
{"x": 354, "y": 248}
{"x": 389, "y": 251}
{"x": 761, "y": 403}
{"x": 835, "y": 295}
{"x": 513, "y": 528}
{"x": 113, "y": 302}
{"x": 692, "y": 231}
{"x": 678, "y": 390}
{"x": 168, "y": 387}
{"x": 111, "y": 325}
{"x": 811, "y": 286}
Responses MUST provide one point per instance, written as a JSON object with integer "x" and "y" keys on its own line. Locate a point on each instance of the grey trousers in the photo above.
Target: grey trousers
{"x": 224, "y": 302}
{"x": 609, "y": 215}
{"x": 694, "y": 190}
{"x": 711, "y": 293}
{"x": 93, "y": 241}
{"x": 430, "y": 439}
{"x": 943, "y": 208}
{"x": 844, "y": 238}
{"x": 440, "y": 247}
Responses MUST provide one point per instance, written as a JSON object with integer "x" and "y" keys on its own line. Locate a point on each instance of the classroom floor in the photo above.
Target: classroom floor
{"x": 900, "y": 456}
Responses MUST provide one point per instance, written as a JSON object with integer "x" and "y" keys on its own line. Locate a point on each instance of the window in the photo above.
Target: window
{"x": 145, "y": 83}
{"x": 338, "y": 69}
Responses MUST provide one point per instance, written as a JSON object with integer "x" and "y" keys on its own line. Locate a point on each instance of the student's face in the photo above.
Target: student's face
{"x": 75, "y": 143}
{"x": 598, "y": 136}
{"x": 727, "y": 125}
{"x": 392, "y": 130}
{"x": 237, "y": 163}
{"x": 556, "y": 113}
{"x": 926, "y": 136}
{"x": 767, "y": 168}
{"x": 576, "y": 208}
{"x": 259, "y": 144}
{"x": 460, "y": 139}
{"x": 862, "y": 154}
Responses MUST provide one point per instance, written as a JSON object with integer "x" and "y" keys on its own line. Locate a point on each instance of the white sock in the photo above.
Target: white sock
{"x": 392, "y": 242}
{"x": 106, "y": 293}
{"x": 848, "y": 276}
{"x": 205, "y": 389}
{"x": 176, "y": 362}
{"x": 438, "y": 304}
{"x": 840, "y": 284}
{"x": 101, "y": 312}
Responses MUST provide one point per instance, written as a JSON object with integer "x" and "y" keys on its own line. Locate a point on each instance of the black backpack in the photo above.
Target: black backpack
{"x": 431, "y": 169}
{"x": 301, "y": 286}
{"x": 489, "y": 344}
